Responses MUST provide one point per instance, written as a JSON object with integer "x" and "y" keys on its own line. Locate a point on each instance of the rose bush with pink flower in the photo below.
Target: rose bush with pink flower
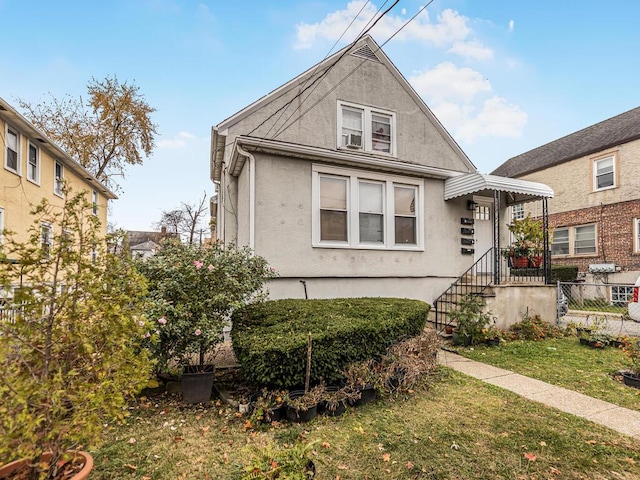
{"x": 193, "y": 304}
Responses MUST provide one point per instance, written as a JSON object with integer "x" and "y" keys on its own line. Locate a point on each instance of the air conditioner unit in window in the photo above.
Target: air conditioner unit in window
{"x": 354, "y": 141}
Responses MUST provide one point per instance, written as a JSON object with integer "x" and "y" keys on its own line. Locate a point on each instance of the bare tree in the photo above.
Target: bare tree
{"x": 185, "y": 221}
{"x": 109, "y": 131}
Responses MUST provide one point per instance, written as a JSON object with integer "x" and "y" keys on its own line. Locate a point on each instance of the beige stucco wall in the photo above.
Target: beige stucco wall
{"x": 372, "y": 84}
{"x": 18, "y": 195}
{"x": 283, "y": 235}
{"x": 512, "y": 302}
{"x": 572, "y": 181}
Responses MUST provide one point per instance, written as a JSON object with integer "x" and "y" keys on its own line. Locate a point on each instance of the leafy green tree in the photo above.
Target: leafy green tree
{"x": 193, "y": 290}
{"x": 70, "y": 342}
{"x": 105, "y": 133}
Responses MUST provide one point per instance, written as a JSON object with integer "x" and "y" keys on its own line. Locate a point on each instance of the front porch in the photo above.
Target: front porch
{"x": 497, "y": 269}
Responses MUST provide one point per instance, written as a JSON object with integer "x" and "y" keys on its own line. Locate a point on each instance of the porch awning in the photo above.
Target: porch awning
{"x": 521, "y": 191}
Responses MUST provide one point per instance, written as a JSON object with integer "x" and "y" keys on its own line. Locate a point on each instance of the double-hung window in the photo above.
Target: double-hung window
{"x": 58, "y": 178}
{"x": 636, "y": 235}
{"x": 366, "y": 129}
{"x": 12, "y": 155}
{"x": 1, "y": 225}
{"x": 604, "y": 174}
{"x": 355, "y": 209}
{"x": 33, "y": 163}
{"x": 577, "y": 240}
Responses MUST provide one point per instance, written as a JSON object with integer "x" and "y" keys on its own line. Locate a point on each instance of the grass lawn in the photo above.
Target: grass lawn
{"x": 564, "y": 362}
{"x": 459, "y": 428}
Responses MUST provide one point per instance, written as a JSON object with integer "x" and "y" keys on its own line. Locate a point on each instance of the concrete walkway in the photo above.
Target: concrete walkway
{"x": 604, "y": 413}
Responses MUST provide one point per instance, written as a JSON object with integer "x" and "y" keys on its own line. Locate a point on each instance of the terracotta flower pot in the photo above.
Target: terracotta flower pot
{"x": 520, "y": 262}
{"x": 87, "y": 459}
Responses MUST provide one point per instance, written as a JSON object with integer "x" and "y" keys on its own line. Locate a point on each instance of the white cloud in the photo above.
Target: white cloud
{"x": 458, "y": 97}
{"x": 178, "y": 141}
{"x": 511, "y": 25}
{"x": 448, "y": 82}
{"x": 472, "y": 50}
{"x": 450, "y": 27}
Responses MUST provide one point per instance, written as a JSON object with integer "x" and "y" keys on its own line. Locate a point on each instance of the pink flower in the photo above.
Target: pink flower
{"x": 197, "y": 332}
{"x": 211, "y": 268}
{"x": 141, "y": 323}
{"x": 162, "y": 320}
{"x": 198, "y": 264}
{"x": 147, "y": 335}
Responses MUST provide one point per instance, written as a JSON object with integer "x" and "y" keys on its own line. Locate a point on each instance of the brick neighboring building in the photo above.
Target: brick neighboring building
{"x": 595, "y": 213}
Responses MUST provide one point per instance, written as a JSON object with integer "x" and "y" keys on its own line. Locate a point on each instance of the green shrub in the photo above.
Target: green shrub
{"x": 471, "y": 319}
{"x": 564, "y": 273}
{"x": 534, "y": 328}
{"x": 270, "y": 339}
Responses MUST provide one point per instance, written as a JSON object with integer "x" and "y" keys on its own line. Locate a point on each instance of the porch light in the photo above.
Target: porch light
{"x": 471, "y": 205}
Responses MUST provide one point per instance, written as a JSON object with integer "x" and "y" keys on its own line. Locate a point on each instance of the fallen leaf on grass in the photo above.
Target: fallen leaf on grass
{"x": 592, "y": 442}
{"x": 130, "y": 467}
{"x": 342, "y": 467}
{"x": 505, "y": 434}
{"x": 326, "y": 444}
{"x": 205, "y": 429}
{"x": 386, "y": 457}
{"x": 455, "y": 446}
{"x": 530, "y": 456}
{"x": 409, "y": 465}
{"x": 132, "y": 440}
{"x": 555, "y": 471}
{"x": 177, "y": 439}
{"x": 543, "y": 444}
{"x": 630, "y": 461}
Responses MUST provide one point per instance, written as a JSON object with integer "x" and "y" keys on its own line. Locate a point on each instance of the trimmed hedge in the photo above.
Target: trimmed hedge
{"x": 270, "y": 338}
{"x": 564, "y": 273}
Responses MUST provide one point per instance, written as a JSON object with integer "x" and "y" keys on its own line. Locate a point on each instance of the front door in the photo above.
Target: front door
{"x": 483, "y": 228}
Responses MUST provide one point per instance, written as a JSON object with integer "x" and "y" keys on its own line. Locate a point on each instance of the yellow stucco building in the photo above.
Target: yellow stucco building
{"x": 33, "y": 168}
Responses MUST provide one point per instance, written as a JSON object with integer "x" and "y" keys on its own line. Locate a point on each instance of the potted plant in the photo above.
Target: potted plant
{"x": 192, "y": 291}
{"x": 631, "y": 377}
{"x": 361, "y": 380}
{"x": 335, "y": 399}
{"x": 492, "y": 336}
{"x": 528, "y": 241}
{"x": 287, "y": 461}
{"x": 72, "y": 355}
{"x": 303, "y": 406}
{"x": 595, "y": 336}
{"x": 267, "y": 405}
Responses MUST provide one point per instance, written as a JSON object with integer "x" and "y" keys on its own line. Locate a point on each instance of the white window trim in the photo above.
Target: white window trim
{"x": 636, "y": 235}
{"x": 35, "y": 180}
{"x": 8, "y": 127}
{"x": 353, "y": 177}
{"x": 572, "y": 241}
{"x": 366, "y": 129}
{"x": 1, "y": 225}
{"x": 594, "y": 172}
{"x": 517, "y": 211}
{"x": 56, "y": 191}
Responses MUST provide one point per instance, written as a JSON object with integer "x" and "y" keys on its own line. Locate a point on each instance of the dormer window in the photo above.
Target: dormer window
{"x": 366, "y": 129}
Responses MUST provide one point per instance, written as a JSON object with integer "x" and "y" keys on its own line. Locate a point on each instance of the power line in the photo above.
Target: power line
{"x": 284, "y": 128}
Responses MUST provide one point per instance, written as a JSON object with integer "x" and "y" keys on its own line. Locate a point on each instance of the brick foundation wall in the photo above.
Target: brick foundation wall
{"x": 614, "y": 234}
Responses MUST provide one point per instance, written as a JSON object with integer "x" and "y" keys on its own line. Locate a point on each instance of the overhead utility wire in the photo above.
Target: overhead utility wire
{"x": 286, "y": 105}
{"x": 284, "y": 128}
{"x": 367, "y": 28}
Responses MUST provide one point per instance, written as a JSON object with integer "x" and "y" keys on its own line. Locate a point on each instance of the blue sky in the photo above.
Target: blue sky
{"x": 503, "y": 76}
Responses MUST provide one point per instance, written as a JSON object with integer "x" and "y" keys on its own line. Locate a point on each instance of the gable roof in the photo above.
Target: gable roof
{"x": 368, "y": 50}
{"x": 137, "y": 237}
{"x": 11, "y": 115}
{"x": 615, "y": 131}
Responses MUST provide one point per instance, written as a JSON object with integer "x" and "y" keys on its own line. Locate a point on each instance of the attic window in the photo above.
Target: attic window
{"x": 365, "y": 129}
{"x": 366, "y": 52}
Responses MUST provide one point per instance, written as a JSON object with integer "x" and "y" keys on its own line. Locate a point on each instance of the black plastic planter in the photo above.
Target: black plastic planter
{"x": 197, "y": 385}
{"x": 630, "y": 379}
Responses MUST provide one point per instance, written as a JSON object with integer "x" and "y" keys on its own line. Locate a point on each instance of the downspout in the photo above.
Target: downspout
{"x": 252, "y": 194}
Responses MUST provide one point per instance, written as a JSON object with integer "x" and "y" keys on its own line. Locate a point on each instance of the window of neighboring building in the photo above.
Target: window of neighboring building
{"x": 58, "y": 178}
{"x": 94, "y": 200}
{"x": 94, "y": 254}
{"x": 33, "y": 163}
{"x": 517, "y": 211}
{"x": 636, "y": 235}
{"x": 560, "y": 245}
{"x": 621, "y": 295}
{"x": 12, "y": 156}
{"x": 578, "y": 240}
{"x": 366, "y": 129}
{"x": 46, "y": 238}
{"x": 1, "y": 225}
{"x": 365, "y": 210}
{"x": 584, "y": 240}
{"x": 604, "y": 173}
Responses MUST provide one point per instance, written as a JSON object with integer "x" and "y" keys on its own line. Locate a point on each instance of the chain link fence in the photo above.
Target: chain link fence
{"x": 587, "y": 303}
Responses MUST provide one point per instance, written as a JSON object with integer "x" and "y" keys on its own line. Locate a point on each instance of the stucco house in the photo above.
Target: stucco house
{"x": 33, "y": 168}
{"x": 348, "y": 185}
{"x": 595, "y": 213}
